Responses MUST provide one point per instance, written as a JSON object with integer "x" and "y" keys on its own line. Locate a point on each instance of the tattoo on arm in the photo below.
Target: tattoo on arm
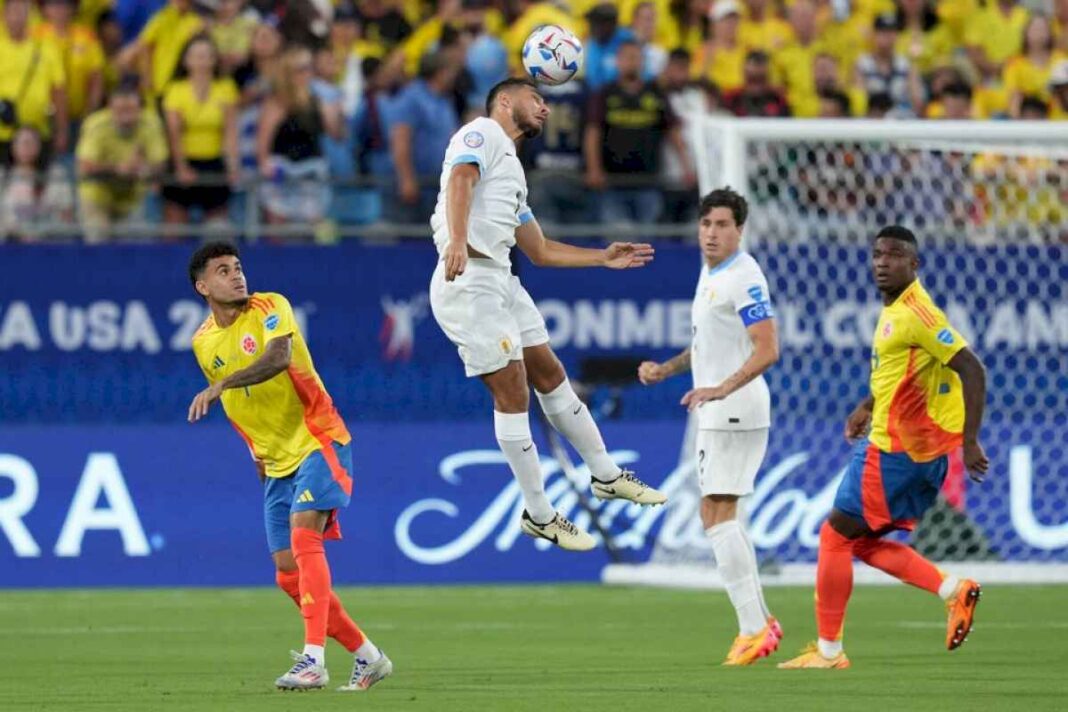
{"x": 275, "y": 359}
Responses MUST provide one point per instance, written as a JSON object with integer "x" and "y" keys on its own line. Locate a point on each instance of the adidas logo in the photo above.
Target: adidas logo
{"x": 306, "y": 496}
{"x": 307, "y": 600}
{"x": 218, "y": 363}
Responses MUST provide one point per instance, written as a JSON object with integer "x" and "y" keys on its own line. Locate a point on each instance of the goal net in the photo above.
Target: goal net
{"x": 989, "y": 204}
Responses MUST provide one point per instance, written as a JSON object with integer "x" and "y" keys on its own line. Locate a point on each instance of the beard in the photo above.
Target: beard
{"x": 529, "y": 127}
{"x": 238, "y": 303}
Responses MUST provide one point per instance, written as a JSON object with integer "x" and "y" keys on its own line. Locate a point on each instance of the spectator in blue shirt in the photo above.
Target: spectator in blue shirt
{"x": 133, "y": 15}
{"x": 421, "y": 121}
{"x": 603, "y": 44}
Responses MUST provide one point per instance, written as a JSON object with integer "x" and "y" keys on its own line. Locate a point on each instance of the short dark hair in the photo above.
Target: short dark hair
{"x": 838, "y": 97}
{"x": 725, "y": 198}
{"x": 205, "y": 254}
{"x": 1033, "y": 103}
{"x": 507, "y": 85}
{"x": 959, "y": 89}
{"x": 679, "y": 55}
{"x": 879, "y": 101}
{"x": 898, "y": 232}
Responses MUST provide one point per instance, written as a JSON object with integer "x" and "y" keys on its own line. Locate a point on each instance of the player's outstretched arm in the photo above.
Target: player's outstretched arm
{"x": 459, "y": 192}
{"x": 765, "y": 354}
{"x": 973, "y": 383}
{"x": 275, "y": 359}
{"x": 650, "y": 372}
{"x": 550, "y": 253}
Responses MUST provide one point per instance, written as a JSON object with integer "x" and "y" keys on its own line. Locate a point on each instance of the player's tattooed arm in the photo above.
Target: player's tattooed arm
{"x": 275, "y": 359}
{"x": 973, "y": 383}
{"x": 765, "y": 354}
{"x": 651, "y": 372}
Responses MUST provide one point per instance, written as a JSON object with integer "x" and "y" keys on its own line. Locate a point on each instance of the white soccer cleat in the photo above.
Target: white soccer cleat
{"x": 306, "y": 674}
{"x": 559, "y": 531}
{"x": 629, "y": 487}
{"x": 365, "y": 674}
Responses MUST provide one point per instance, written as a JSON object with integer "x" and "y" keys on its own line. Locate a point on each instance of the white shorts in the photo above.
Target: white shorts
{"x": 728, "y": 460}
{"x": 487, "y": 314}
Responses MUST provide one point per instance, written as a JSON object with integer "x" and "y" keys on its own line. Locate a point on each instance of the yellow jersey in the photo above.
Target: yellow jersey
{"x": 166, "y": 34}
{"x": 287, "y": 418}
{"x": 102, "y": 143}
{"x": 1022, "y": 75}
{"x": 919, "y": 404}
{"x": 82, "y": 58}
{"x": 203, "y": 122}
{"x": 34, "y": 68}
{"x": 999, "y": 36}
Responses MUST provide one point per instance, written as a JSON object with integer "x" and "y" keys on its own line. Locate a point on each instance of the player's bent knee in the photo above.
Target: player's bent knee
{"x": 509, "y": 388}
{"x": 718, "y": 508}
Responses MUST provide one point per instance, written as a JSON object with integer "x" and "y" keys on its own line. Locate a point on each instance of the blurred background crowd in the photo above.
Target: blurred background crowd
{"x": 307, "y": 114}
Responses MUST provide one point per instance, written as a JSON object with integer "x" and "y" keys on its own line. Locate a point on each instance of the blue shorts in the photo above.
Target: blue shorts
{"x": 889, "y": 490}
{"x": 322, "y": 483}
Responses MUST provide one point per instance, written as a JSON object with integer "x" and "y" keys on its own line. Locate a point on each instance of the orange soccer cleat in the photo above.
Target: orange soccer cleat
{"x": 810, "y": 658}
{"x": 747, "y": 649}
{"x": 961, "y": 611}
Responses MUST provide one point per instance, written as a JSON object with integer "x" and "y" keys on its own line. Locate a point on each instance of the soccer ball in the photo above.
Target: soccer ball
{"x": 552, "y": 55}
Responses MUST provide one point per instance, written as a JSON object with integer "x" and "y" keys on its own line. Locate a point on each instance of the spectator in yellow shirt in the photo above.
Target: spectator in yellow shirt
{"x": 994, "y": 34}
{"x": 32, "y": 85}
{"x": 722, "y": 56}
{"x": 922, "y": 40}
{"x": 1027, "y": 74}
{"x": 1058, "y": 89}
{"x": 762, "y": 28}
{"x": 83, "y": 57}
{"x": 201, "y": 112}
{"x": 793, "y": 63}
{"x": 121, "y": 149}
{"x": 156, "y": 53}
{"x": 231, "y": 30}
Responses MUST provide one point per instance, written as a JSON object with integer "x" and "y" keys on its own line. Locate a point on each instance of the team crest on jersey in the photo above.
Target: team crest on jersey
{"x": 249, "y": 345}
{"x": 756, "y": 293}
{"x": 473, "y": 139}
{"x": 506, "y": 345}
{"x": 945, "y": 336}
{"x": 271, "y": 322}
{"x": 888, "y": 328}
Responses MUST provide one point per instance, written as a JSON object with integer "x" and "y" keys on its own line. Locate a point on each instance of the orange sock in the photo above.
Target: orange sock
{"x": 834, "y": 582}
{"x": 900, "y": 561}
{"x": 339, "y": 627}
{"x": 314, "y": 583}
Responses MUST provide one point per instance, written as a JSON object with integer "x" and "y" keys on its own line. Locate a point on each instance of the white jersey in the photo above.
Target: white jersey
{"x": 730, "y": 297}
{"x": 499, "y": 204}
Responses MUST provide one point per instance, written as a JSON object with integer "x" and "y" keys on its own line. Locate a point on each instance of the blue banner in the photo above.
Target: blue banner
{"x": 103, "y": 334}
{"x": 181, "y": 504}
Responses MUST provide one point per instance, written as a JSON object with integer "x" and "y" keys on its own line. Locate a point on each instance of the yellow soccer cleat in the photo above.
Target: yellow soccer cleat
{"x": 961, "y": 611}
{"x": 810, "y": 658}
{"x": 747, "y": 649}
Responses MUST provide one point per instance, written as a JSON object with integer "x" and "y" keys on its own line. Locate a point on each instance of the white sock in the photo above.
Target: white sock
{"x": 513, "y": 436}
{"x": 737, "y": 567}
{"x": 948, "y": 587}
{"x": 829, "y": 648}
{"x": 572, "y": 419}
{"x": 318, "y": 652}
{"x": 368, "y": 652}
{"x": 756, "y": 567}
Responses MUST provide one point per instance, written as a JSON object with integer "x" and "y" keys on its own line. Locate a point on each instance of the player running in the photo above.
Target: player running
{"x": 501, "y": 337}
{"x": 927, "y": 395}
{"x": 254, "y": 356}
{"x": 734, "y": 343}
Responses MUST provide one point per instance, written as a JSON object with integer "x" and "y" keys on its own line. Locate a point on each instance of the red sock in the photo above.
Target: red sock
{"x": 314, "y": 583}
{"x": 340, "y": 627}
{"x": 900, "y": 561}
{"x": 834, "y": 582}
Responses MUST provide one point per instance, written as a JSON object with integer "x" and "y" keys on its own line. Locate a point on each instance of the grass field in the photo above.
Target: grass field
{"x": 524, "y": 648}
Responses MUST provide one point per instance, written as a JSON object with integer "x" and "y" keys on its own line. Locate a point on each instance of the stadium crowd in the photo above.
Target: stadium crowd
{"x": 341, "y": 110}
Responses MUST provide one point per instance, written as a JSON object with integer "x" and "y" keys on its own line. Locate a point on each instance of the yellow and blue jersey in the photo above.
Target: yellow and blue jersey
{"x": 286, "y": 418}
{"x": 919, "y": 405}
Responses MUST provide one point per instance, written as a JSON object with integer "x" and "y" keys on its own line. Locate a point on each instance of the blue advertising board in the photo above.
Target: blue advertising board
{"x": 181, "y": 504}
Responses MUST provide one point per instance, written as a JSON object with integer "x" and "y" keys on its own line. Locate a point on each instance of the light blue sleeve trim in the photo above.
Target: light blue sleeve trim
{"x": 468, "y": 158}
{"x": 525, "y": 217}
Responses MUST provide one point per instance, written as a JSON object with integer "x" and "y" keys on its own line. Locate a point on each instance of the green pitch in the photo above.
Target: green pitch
{"x": 524, "y": 648}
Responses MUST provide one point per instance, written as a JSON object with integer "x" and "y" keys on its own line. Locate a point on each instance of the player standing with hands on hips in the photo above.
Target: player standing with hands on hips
{"x": 734, "y": 343}
{"x": 484, "y": 310}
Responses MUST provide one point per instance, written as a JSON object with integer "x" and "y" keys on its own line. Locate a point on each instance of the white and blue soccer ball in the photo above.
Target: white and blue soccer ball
{"x": 552, "y": 55}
